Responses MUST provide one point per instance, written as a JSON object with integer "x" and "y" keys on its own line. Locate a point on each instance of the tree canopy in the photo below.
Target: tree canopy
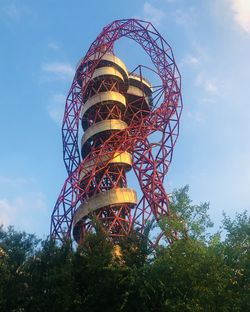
{"x": 198, "y": 272}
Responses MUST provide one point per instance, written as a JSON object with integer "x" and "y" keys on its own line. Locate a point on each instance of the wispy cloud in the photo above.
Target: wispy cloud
{"x": 153, "y": 14}
{"x": 208, "y": 100}
{"x": 53, "y": 46}
{"x": 209, "y": 85}
{"x": 186, "y": 18}
{"x": 15, "y": 181}
{"x": 191, "y": 60}
{"x": 14, "y": 12}
{"x": 11, "y": 11}
{"x": 24, "y": 212}
{"x": 59, "y": 70}
{"x": 56, "y": 107}
{"x": 196, "y": 116}
{"x": 22, "y": 205}
{"x": 241, "y": 11}
{"x": 5, "y": 208}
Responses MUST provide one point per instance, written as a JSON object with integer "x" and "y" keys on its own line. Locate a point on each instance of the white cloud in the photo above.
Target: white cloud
{"x": 59, "y": 70}
{"x": 15, "y": 12}
{"x": 5, "y": 209}
{"x": 22, "y": 205}
{"x": 209, "y": 85}
{"x": 12, "y": 11}
{"x": 199, "y": 79}
{"x": 56, "y": 107}
{"x": 180, "y": 17}
{"x": 153, "y": 14}
{"x": 24, "y": 212}
{"x": 241, "y": 11}
{"x": 191, "y": 60}
{"x": 186, "y": 18}
{"x": 208, "y": 100}
{"x": 15, "y": 181}
{"x": 196, "y": 116}
{"x": 53, "y": 46}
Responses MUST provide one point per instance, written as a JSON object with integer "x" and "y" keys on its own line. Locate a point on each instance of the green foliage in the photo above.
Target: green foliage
{"x": 49, "y": 278}
{"x": 238, "y": 231}
{"x": 237, "y": 256}
{"x": 195, "y": 273}
{"x": 186, "y": 220}
{"x": 15, "y": 248}
{"x": 194, "y": 277}
{"x": 135, "y": 249}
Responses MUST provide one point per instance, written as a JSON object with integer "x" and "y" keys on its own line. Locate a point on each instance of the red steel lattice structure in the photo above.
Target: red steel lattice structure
{"x": 128, "y": 124}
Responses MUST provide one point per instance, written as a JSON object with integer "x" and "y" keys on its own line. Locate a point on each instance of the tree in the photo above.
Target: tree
{"x": 186, "y": 220}
{"x": 50, "y": 278}
{"x": 15, "y": 247}
{"x": 197, "y": 272}
{"x": 237, "y": 256}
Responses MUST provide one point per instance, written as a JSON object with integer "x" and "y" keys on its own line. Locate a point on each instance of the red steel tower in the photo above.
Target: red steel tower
{"x": 128, "y": 124}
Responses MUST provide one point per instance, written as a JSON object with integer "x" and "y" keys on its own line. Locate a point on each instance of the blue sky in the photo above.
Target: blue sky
{"x": 42, "y": 41}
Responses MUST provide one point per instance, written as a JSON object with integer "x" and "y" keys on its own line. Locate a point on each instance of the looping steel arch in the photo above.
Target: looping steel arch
{"x": 150, "y": 159}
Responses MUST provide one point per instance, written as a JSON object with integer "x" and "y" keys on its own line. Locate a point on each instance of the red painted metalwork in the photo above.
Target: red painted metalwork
{"x": 150, "y": 138}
